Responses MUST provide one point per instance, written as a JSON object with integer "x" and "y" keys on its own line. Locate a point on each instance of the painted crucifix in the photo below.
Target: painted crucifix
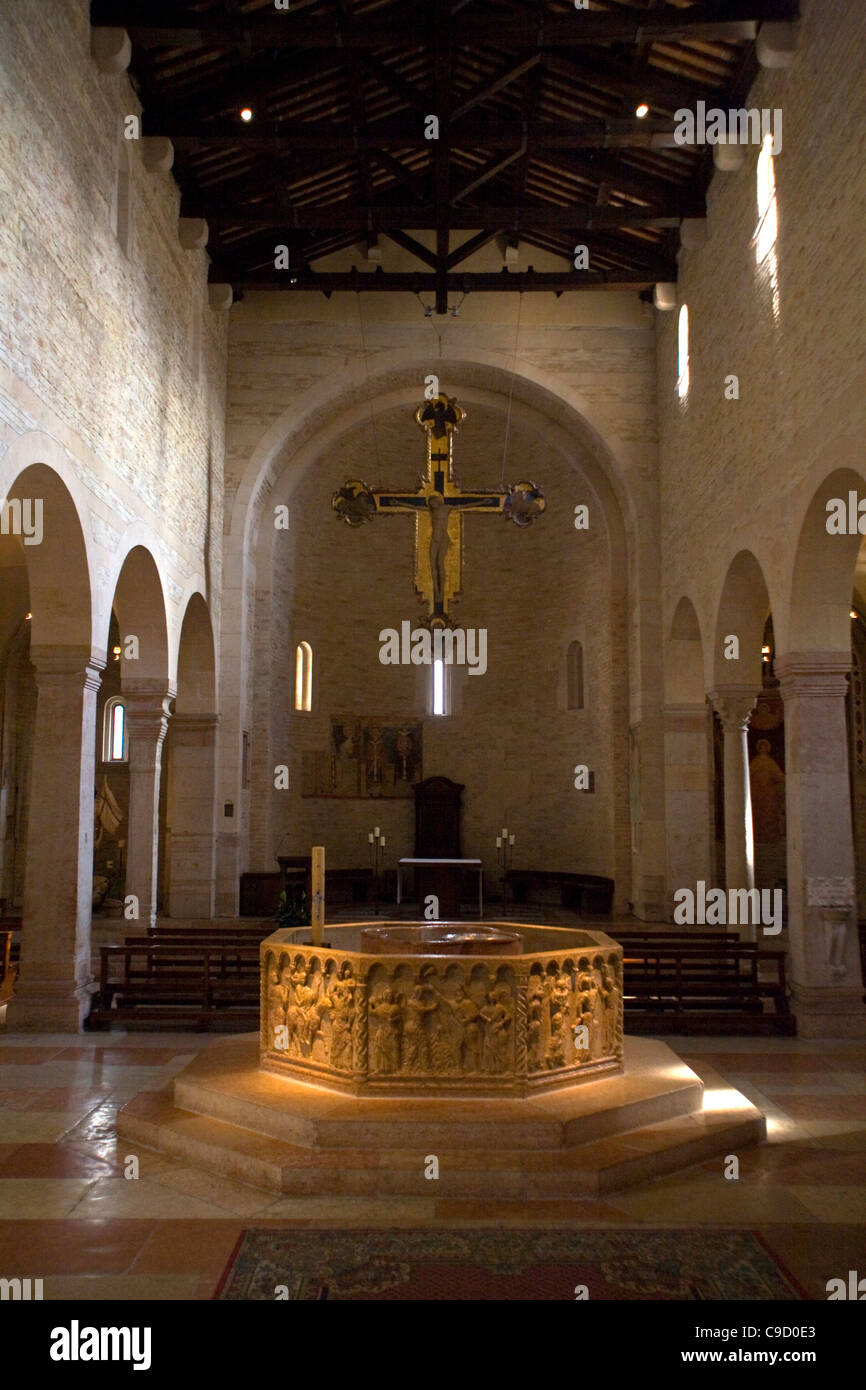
{"x": 438, "y": 505}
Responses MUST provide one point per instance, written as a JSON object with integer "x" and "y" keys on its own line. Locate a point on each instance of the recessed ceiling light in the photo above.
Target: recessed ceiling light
{"x": 246, "y": 114}
{"x": 642, "y": 110}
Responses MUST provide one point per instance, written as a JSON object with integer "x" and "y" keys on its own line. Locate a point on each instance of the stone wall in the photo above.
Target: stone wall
{"x": 739, "y": 473}
{"x": 112, "y": 352}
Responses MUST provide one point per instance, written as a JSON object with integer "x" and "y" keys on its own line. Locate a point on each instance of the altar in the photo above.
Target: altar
{"x": 443, "y": 879}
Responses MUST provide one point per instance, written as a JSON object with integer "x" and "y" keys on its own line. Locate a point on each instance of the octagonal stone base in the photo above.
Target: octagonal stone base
{"x": 225, "y": 1114}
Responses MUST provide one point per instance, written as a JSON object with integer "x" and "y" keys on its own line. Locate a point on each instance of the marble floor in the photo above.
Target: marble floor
{"x": 69, "y": 1215}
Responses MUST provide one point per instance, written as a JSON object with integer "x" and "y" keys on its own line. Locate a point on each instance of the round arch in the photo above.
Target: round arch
{"x": 139, "y": 602}
{"x": 827, "y": 568}
{"x": 742, "y": 612}
{"x": 684, "y": 657}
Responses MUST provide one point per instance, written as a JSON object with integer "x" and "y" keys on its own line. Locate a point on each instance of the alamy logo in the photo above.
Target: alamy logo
{"x": 20, "y": 1289}
{"x": 76, "y": 1343}
{"x": 22, "y": 516}
{"x": 717, "y": 908}
{"x": 738, "y": 126}
{"x": 420, "y": 647}
{"x": 855, "y": 1289}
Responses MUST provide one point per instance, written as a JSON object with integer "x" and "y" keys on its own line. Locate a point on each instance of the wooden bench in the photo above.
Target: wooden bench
{"x": 705, "y": 987}
{"x": 589, "y": 894}
{"x": 206, "y": 986}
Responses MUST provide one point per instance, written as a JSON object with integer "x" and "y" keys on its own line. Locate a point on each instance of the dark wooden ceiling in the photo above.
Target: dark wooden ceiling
{"x": 538, "y": 138}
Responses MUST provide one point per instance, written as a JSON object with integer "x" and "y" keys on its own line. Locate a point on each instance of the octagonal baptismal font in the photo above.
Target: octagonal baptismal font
{"x": 442, "y": 1009}
{"x": 498, "y": 1047}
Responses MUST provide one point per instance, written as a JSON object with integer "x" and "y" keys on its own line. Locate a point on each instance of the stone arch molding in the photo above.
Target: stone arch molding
{"x": 303, "y": 430}
{"x": 744, "y": 602}
{"x": 33, "y": 457}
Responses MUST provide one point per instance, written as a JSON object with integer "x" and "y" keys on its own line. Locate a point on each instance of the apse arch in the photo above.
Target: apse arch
{"x": 393, "y": 381}
{"x": 742, "y": 611}
{"x": 826, "y": 569}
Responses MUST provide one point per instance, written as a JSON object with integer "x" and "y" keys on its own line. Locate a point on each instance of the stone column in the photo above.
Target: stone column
{"x": 824, "y": 957}
{"x": 733, "y": 705}
{"x": 192, "y": 839}
{"x": 147, "y": 715}
{"x": 688, "y": 804}
{"x": 53, "y": 989}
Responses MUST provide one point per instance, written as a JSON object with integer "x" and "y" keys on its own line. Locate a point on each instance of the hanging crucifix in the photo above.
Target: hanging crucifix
{"x": 438, "y": 506}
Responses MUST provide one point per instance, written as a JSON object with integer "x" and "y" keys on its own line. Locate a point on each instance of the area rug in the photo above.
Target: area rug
{"x": 503, "y": 1264}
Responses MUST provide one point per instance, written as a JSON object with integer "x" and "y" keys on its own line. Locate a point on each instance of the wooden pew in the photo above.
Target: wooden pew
{"x": 177, "y": 985}
{"x": 705, "y": 987}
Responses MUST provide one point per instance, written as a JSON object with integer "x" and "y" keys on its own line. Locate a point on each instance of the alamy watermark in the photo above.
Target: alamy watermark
{"x": 421, "y": 647}
{"x": 736, "y": 907}
{"x": 737, "y": 126}
{"x": 22, "y": 516}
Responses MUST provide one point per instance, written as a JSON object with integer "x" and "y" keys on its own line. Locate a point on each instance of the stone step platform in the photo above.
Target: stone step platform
{"x": 224, "y": 1115}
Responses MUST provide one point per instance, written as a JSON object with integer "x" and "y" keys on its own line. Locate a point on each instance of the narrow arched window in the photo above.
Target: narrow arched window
{"x": 115, "y": 736}
{"x": 439, "y": 687}
{"x": 768, "y": 222}
{"x": 683, "y": 353}
{"x": 574, "y": 674}
{"x": 303, "y": 676}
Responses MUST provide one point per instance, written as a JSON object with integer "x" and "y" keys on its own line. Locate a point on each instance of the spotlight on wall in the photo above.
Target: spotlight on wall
{"x": 27, "y": 617}
{"x": 853, "y": 613}
{"x": 641, "y": 111}
{"x": 115, "y": 652}
{"x": 765, "y": 653}
{"x": 246, "y": 114}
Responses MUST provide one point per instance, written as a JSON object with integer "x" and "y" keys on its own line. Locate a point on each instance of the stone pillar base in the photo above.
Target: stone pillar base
{"x": 829, "y": 1013}
{"x": 48, "y": 1007}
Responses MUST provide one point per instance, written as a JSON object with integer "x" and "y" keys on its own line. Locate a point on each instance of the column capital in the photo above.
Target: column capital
{"x": 73, "y": 665}
{"x": 147, "y": 711}
{"x": 733, "y": 704}
{"x": 821, "y": 675}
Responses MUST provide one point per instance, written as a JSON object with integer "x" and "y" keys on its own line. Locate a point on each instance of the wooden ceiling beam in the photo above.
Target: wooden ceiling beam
{"x": 489, "y": 172}
{"x": 414, "y": 247}
{"x": 484, "y": 134}
{"x": 467, "y": 282}
{"x": 419, "y": 216}
{"x": 506, "y": 75}
{"x": 468, "y": 248}
{"x": 155, "y": 22}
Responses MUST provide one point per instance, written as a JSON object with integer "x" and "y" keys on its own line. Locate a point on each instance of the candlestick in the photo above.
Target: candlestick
{"x": 382, "y": 841}
{"x": 498, "y": 841}
{"x": 317, "y": 914}
{"x": 511, "y": 839}
{"x": 370, "y": 837}
{"x": 376, "y": 832}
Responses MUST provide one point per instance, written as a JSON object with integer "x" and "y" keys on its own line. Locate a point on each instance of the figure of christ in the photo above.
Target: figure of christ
{"x": 440, "y": 544}
{"x": 416, "y": 1041}
{"x": 467, "y": 1046}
